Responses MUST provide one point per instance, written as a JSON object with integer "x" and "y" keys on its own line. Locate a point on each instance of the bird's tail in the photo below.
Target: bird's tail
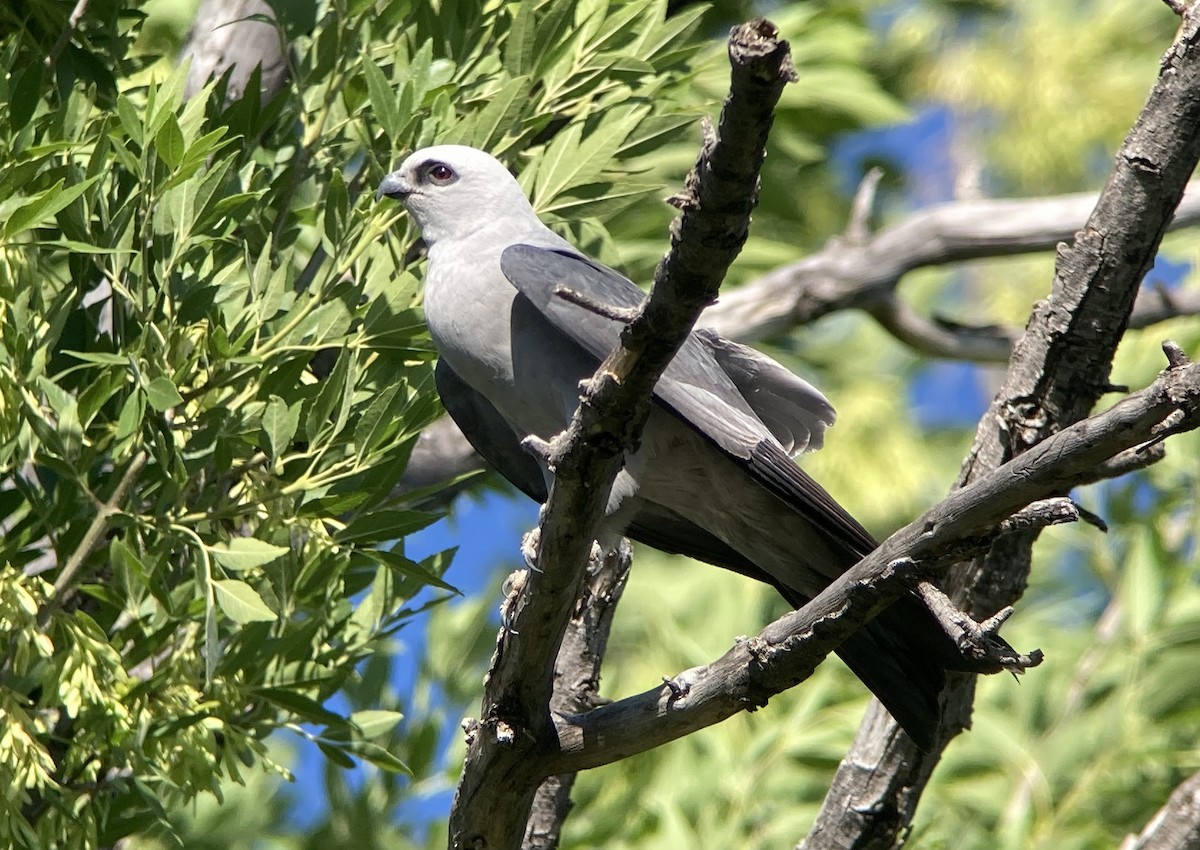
{"x": 902, "y": 660}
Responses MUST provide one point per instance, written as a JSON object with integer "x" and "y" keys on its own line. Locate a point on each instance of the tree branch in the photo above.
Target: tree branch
{"x": 846, "y": 275}
{"x": 499, "y": 778}
{"x": 577, "y": 683}
{"x": 1176, "y": 826}
{"x": 787, "y": 651}
{"x": 1058, "y": 370}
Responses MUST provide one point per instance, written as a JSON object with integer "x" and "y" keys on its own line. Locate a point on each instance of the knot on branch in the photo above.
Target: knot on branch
{"x": 982, "y": 648}
{"x": 757, "y": 47}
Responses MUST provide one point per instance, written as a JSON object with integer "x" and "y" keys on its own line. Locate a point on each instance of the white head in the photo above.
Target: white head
{"x": 451, "y": 191}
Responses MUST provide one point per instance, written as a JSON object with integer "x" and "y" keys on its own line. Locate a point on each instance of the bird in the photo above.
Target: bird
{"x": 714, "y": 475}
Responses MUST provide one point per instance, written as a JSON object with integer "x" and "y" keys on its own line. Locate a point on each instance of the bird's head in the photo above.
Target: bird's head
{"x": 454, "y": 190}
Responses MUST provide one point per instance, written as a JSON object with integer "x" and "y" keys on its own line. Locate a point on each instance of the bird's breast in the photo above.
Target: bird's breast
{"x": 498, "y": 342}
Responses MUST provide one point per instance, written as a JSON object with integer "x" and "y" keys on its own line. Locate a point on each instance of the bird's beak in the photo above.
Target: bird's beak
{"x": 393, "y": 186}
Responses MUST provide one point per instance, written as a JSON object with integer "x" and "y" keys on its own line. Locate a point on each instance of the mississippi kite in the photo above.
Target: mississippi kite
{"x": 713, "y": 477}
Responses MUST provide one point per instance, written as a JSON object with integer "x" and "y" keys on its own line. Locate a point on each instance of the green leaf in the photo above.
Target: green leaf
{"x": 102, "y": 358}
{"x": 169, "y": 142}
{"x": 244, "y": 553}
{"x": 299, "y": 704}
{"x": 384, "y": 100}
{"x": 372, "y": 723}
{"x": 24, "y": 94}
{"x": 333, "y": 390}
{"x": 405, "y": 566}
{"x": 384, "y": 526}
{"x": 241, "y": 603}
{"x": 522, "y": 34}
{"x": 162, "y": 394}
{"x": 377, "y": 756}
{"x": 45, "y": 204}
{"x": 280, "y": 422}
{"x": 130, "y": 418}
{"x": 378, "y": 420}
{"x": 337, "y": 755}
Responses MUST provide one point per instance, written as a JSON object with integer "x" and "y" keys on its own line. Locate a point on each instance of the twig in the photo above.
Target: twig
{"x": 63, "y": 37}
{"x": 1179, "y": 7}
{"x": 91, "y": 538}
{"x": 980, "y": 641}
{"x": 625, "y": 315}
{"x": 858, "y": 227}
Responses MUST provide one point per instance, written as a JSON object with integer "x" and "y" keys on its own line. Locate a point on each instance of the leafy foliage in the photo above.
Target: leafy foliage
{"x": 212, "y": 375}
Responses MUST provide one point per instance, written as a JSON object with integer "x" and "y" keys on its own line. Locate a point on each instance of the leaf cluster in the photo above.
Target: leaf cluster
{"x": 211, "y": 374}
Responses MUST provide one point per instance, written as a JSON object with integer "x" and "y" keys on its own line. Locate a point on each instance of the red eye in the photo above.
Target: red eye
{"x": 441, "y": 173}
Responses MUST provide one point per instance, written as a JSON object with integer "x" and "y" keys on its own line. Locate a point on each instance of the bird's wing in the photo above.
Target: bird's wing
{"x": 495, "y": 440}
{"x": 489, "y": 433}
{"x": 795, "y": 411}
{"x": 694, "y": 386}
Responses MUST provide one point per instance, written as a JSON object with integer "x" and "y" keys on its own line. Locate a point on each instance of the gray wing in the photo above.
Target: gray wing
{"x": 491, "y": 435}
{"x": 694, "y": 387}
{"x": 743, "y": 380}
{"x": 794, "y": 411}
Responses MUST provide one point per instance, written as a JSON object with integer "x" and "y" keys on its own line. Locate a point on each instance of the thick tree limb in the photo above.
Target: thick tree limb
{"x": 1058, "y": 370}
{"x": 499, "y": 778}
{"x": 787, "y": 651}
{"x": 577, "y": 683}
{"x": 1176, "y": 826}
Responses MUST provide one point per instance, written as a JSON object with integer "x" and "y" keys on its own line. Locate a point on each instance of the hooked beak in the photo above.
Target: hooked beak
{"x": 394, "y": 187}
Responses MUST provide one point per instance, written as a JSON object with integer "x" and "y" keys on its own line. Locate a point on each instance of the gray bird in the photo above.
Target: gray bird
{"x": 713, "y": 478}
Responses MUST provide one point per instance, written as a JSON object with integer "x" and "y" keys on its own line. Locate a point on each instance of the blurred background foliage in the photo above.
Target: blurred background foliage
{"x": 210, "y": 286}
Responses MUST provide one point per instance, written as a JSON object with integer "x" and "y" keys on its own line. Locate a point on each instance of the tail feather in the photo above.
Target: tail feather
{"x": 906, "y": 680}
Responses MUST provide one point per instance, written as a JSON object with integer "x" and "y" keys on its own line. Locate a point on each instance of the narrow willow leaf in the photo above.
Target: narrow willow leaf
{"x": 169, "y": 142}
{"x": 44, "y": 205}
{"x": 384, "y": 99}
{"x": 384, "y": 526}
{"x": 374, "y": 722}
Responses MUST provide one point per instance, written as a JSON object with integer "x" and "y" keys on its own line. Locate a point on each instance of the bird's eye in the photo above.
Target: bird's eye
{"x": 439, "y": 172}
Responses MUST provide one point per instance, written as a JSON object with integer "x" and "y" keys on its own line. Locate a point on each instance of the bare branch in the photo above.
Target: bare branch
{"x": 858, "y": 228}
{"x": 1176, "y": 826}
{"x": 1058, "y": 370}
{"x": 499, "y": 778}
{"x": 577, "y": 683}
{"x": 843, "y": 276}
{"x": 91, "y": 538}
{"x": 940, "y": 339}
{"x": 787, "y": 651}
